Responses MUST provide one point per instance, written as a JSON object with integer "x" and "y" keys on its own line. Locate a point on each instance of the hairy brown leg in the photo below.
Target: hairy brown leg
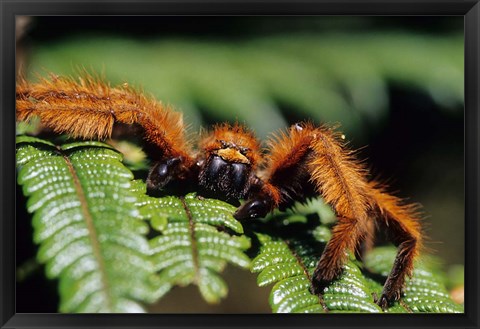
{"x": 311, "y": 160}
{"x": 345, "y": 236}
{"x": 90, "y": 108}
{"x": 286, "y": 178}
{"x": 368, "y": 239}
{"x": 341, "y": 180}
{"x": 308, "y": 161}
{"x": 402, "y": 222}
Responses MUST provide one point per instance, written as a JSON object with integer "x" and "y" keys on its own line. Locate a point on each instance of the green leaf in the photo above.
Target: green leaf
{"x": 424, "y": 292}
{"x": 290, "y": 263}
{"x": 197, "y": 238}
{"x": 91, "y": 235}
{"x": 289, "y": 252}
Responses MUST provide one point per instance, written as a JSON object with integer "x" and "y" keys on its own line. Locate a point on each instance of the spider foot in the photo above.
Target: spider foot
{"x": 387, "y": 298}
{"x": 321, "y": 279}
{"x": 253, "y": 208}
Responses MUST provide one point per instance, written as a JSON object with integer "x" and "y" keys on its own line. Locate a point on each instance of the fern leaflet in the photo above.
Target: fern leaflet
{"x": 90, "y": 233}
{"x": 290, "y": 265}
{"x": 424, "y": 292}
{"x": 194, "y": 243}
{"x": 289, "y": 254}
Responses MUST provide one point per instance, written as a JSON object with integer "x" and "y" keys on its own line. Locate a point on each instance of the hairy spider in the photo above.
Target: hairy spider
{"x": 302, "y": 162}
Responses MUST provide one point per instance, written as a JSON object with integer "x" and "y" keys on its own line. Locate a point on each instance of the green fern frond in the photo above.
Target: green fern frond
{"x": 277, "y": 263}
{"x": 194, "y": 244}
{"x": 85, "y": 220}
{"x": 290, "y": 265}
{"x": 287, "y": 258}
{"x": 424, "y": 292}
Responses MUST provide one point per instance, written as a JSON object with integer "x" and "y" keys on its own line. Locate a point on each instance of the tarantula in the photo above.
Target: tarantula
{"x": 302, "y": 162}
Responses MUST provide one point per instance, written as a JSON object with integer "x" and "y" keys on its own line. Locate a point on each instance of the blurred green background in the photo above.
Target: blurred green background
{"x": 394, "y": 84}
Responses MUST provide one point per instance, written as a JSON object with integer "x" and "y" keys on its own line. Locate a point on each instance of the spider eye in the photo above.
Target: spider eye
{"x": 298, "y": 126}
{"x": 253, "y": 209}
{"x": 223, "y": 144}
{"x": 244, "y": 150}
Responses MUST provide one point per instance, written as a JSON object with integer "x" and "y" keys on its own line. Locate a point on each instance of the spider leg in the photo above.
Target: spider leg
{"x": 286, "y": 178}
{"x": 172, "y": 172}
{"x": 309, "y": 161}
{"x": 89, "y": 108}
{"x": 368, "y": 240}
{"x": 342, "y": 182}
{"x": 402, "y": 222}
{"x": 346, "y": 236}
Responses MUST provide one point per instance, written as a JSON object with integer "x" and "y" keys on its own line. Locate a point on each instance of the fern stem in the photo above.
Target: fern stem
{"x": 305, "y": 271}
{"x": 91, "y": 229}
{"x": 193, "y": 241}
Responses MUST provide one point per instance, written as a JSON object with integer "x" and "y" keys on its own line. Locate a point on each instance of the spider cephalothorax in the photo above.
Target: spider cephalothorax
{"x": 229, "y": 160}
{"x": 302, "y": 162}
{"x": 224, "y": 165}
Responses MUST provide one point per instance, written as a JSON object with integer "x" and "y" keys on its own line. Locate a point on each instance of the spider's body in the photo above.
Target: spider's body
{"x": 230, "y": 159}
{"x": 303, "y": 162}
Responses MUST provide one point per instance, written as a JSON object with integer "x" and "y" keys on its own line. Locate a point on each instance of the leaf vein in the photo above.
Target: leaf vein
{"x": 193, "y": 241}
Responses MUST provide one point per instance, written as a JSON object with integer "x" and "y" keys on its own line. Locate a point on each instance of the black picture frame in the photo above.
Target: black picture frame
{"x": 10, "y": 8}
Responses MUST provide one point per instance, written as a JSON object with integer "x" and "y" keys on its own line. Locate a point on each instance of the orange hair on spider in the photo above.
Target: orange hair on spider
{"x": 404, "y": 218}
{"x": 235, "y": 134}
{"x": 286, "y": 148}
{"x": 318, "y": 155}
{"x": 336, "y": 174}
{"x": 89, "y": 107}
